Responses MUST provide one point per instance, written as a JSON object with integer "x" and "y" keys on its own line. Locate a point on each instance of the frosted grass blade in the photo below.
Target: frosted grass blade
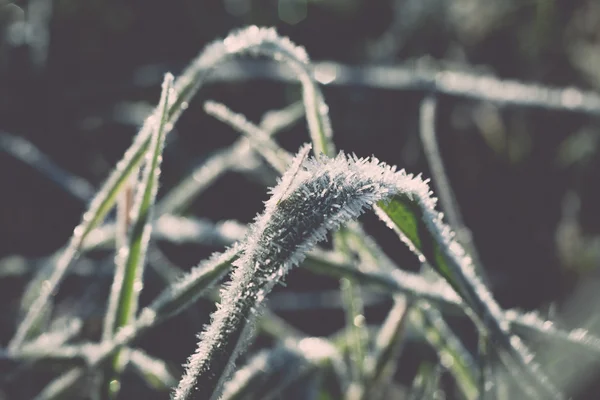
{"x": 260, "y": 139}
{"x": 176, "y": 200}
{"x": 152, "y": 370}
{"x": 322, "y": 194}
{"x": 353, "y": 305}
{"x": 380, "y": 364}
{"x": 394, "y": 282}
{"x": 427, "y": 131}
{"x": 270, "y": 371}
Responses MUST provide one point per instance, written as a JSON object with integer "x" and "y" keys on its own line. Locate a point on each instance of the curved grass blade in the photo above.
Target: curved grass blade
{"x": 252, "y": 40}
{"x": 278, "y": 157}
{"x": 441, "y": 181}
{"x": 323, "y": 194}
{"x": 394, "y": 282}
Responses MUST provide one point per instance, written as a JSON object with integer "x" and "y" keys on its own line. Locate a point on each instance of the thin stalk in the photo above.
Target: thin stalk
{"x": 380, "y": 364}
{"x": 201, "y": 177}
{"x": 442, "y": 182}
{"x": 355, "y": 320}
{"x": 414, "y": 77}
{"x": 137, "y": 227}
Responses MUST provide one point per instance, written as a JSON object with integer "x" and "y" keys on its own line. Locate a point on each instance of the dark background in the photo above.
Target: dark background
{"x": 526, "y": 179}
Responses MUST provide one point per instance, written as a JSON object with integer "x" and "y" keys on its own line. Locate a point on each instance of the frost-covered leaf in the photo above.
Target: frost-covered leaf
{"x": 320, "y": 196}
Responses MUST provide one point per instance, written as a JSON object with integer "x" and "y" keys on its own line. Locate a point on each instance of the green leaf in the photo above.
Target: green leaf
{"x": 128, "y": 282}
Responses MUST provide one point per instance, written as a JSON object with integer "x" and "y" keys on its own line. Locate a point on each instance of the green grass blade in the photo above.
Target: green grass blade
{"x": 126, "y": 292}
{"x": 427, "y": 382}
{"x": 128, "y": 282}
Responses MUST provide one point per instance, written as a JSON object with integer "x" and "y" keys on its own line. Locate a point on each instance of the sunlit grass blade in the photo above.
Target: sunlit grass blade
{"x": 260, "y": 139}
{"x": 25, "y": 151}
{"x": 269, "y": 372}
{"x": 154, "y": 371}
{"x": 125, "y": 291}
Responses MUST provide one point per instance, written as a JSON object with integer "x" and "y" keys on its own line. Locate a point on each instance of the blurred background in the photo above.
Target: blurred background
{"x": 77, "y": 78}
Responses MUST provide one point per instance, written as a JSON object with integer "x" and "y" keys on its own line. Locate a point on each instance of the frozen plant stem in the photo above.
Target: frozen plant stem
{"x": 441, "y": 181}
{"x": 321, "y": 195}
